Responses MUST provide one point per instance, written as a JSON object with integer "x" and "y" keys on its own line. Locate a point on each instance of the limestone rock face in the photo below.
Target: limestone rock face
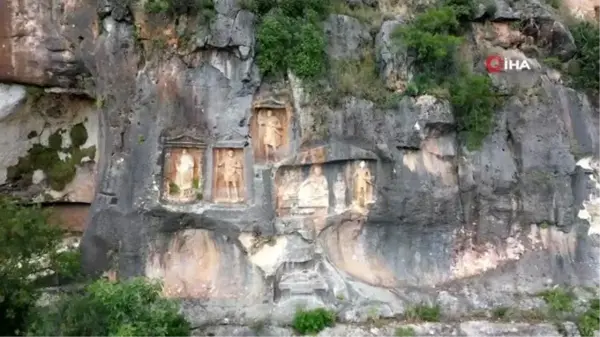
{"x": 249, "y": 199}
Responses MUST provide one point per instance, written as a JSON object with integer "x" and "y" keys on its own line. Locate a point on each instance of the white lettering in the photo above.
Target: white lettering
{"x": 512, "y": 64}
{"x": 524, "y": 65}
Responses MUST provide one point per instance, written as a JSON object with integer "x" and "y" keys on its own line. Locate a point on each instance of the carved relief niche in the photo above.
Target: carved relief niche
{"x": 229, "y": 183}
{"x": 270, "y": 130}
{"x": 322, "y": 189}
{"x": 183, "y": 164}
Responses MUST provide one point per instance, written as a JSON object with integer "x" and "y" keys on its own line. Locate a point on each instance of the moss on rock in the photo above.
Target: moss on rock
{"x": 59, "y": 172}
{"x": 78, "y": 135}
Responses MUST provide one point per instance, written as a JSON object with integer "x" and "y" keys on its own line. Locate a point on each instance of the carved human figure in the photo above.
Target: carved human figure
{"x": 339, "y": 190}
{"x": 314, "y": 191}
{"x": 272, "y": 133}
{"x": 232, "y": 175}
{"x": 363, "y": 185}
{"x": 184, "y": 175}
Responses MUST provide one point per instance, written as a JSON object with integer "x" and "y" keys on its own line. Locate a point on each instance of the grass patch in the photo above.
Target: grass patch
{"x": 313, "y": 321}
{"x": 589, "y": 321}
{"x": 423, "y": 313}
{"x": 405, "y": 331}
{"x": 559, "y": 300}
{"x": 434, "y": 38}
{"x": 361, "y": 79}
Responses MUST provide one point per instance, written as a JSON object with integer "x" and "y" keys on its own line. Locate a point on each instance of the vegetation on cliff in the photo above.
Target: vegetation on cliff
{"x": 290, "y": 36}
{"x": 129, "y": 308}
{"x": 434, "y": 39}
{"x": 29, "y": 249}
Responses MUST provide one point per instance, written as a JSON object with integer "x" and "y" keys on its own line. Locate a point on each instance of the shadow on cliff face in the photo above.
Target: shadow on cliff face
{"x": 200, "y": 264}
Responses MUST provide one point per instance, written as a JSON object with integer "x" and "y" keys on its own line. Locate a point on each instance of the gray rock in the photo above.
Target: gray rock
{"x": 347, "y": 37}
{"x": 11, "y": 97}
{"x": 392, "y": 58}
{"x": 482, "y": 328}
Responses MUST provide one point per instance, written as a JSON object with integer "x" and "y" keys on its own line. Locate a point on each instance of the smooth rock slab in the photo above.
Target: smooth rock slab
{"x": 470, "y": 328}
{"x": 484, "y": 328}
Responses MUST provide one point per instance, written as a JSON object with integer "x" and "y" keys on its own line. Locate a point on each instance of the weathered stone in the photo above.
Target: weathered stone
{"x": 392, "y": 58}
{"x": 347, "y": 37}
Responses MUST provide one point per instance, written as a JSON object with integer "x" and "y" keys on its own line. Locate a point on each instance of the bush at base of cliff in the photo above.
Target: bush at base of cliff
{"x": 29, "y": 250}
{"x": 312, "y": 321}
{"x": 130, "y": 308}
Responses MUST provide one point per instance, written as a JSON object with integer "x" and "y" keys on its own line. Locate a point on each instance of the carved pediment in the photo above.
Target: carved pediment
{"x": 269, "y": 103}
{"x": 183, "y": 140}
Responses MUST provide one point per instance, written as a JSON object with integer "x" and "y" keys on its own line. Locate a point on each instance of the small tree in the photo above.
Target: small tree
{"x": 130, "y": 308}
{"x": 29, "y": 249}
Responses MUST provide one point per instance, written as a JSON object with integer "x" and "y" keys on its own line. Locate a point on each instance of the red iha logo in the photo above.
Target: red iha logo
{"x": 497, "y": 63}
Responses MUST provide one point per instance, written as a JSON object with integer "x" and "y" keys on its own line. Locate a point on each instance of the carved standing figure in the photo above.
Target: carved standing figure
{"x": 272, "y": 133}
{"x": 184, "y": 177}
{"x": 363, "y": 185}
{"x": 339, "y": 190}
{"x": 232, "y": 175}
{"x": 314, "y": 191}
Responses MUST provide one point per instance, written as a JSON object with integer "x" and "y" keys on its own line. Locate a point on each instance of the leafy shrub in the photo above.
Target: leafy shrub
{"x": 286, "y": 42}
{"x": 589, "y": 321}
{"x": 29, "y": 249}
{"x": 404, "y": 331}
{"x": 559, "y": 300}
{"x": 313, "y": 321}
{"x": 473, "y": 103}
{"x": 585, "y": 68}
{"x": 434, "y": 38}
{"x": 129, "y": 308}
{"x": 206, "y": 8}
{"x": 290, "y": 36}
{"x": 424, "y": 313}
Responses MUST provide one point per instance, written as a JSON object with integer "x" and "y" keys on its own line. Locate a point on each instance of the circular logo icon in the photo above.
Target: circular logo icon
{"x": 494, "y": 64}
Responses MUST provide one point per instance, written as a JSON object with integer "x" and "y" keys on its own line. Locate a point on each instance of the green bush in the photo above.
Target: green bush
{"x": 589, "y": 321}
{"x": 474, "y": 102}
{"x": 206, "y": 8}
{"x": 291, "y": 36}
{"x": 129, "y": 308}
{"x": 313, "y": 321}
{"x": 29, "y": 249}
{"x": 433, "y": 39}
{"x": 424, "y": 313}
{"x": 585, "y": 68}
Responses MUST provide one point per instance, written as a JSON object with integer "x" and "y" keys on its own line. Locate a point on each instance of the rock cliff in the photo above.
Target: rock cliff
{"x": 249, "y": 195}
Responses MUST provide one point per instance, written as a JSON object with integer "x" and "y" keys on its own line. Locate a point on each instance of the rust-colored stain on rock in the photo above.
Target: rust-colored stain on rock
{"x": 72, "y": 217}
{"x": 6, "y": 67}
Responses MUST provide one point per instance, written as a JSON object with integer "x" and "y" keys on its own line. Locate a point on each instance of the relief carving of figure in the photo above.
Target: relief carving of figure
{"x": 339, "y": 190}
{"x": 184, "y": 175}
{"x": 363, "y": 185}
{"x": 314, "y": 191}
{"x": 272, "y": 136}
{"x": 232, "y": 175}
{"x": 289, "y": 188}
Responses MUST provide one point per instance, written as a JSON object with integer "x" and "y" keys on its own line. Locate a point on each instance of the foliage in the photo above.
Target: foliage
{"x": 405, "y": 331}
{"x": 361, "y": 79}
{"x": 589, "y": 321}
{"x": 473, "y": 104}
{"x": 558, "y": 299}
{"x": 290, "y": 36}
{"x": 129, "y": 308}
{"x": 433, "y": 39}
{"x": 585, "y": 66}
{"x": 29, "y": 249}
{"x": 172, "y": 8}
{"x": 424, "y": 313}
{"x": 313, "y": 321}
